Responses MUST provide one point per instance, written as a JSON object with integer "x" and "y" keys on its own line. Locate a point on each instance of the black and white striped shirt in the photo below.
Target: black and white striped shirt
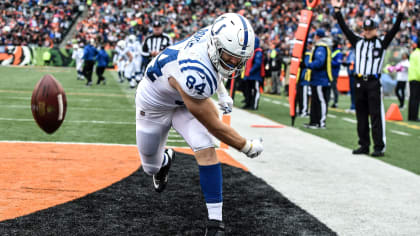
{"x": 370, "y": 53}
{"x": 155, "y": 43}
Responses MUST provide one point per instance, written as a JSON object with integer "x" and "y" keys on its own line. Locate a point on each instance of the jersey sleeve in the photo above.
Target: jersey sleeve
{"x": 196, "y": 82}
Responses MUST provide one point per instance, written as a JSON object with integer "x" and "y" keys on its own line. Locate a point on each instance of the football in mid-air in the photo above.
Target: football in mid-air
{"x": 48, "y": 104}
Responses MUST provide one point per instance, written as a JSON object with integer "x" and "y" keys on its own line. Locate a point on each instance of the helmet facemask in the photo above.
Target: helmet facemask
{"x": 225, "y": 68}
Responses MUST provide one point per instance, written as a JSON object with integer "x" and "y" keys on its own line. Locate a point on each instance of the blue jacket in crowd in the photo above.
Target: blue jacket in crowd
{"x": 255, "y": 72}
{"x": 337, "y": 59}
{"x": 102, "y": 58}
{"x": 302, "y": 80}
{"x": 89, "y": 53}
{"x": 319, "y": 66}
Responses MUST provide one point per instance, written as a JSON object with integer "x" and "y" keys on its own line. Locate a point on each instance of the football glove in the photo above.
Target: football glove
{"x": 253, "y": 148}
{"x": 225, "y": 103}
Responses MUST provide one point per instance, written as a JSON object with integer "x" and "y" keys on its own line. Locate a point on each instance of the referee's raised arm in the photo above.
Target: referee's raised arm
{"x": 396, "y": 27}
{"x": 353, "y": 38}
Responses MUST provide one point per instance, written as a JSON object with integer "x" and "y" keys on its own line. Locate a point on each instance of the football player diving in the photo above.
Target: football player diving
{"x": 176, "y": 92}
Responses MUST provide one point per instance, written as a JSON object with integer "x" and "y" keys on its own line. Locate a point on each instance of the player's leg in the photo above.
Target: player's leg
{"x": 121, "y": 65}
{"x": 138, "y": 69}
{"x": 200, "y": 141}
{"x": 152, "y": 130}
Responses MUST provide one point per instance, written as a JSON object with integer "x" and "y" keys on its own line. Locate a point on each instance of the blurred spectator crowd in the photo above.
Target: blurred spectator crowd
{"x": 274, "y": 21}
{"x": 36, "y": 22}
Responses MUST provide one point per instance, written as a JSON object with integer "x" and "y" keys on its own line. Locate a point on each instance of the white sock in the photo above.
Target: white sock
{"x": 215, "y": 211}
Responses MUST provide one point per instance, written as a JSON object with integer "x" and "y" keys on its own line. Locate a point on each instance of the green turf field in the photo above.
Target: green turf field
{"x": 97, "y": 114}
{"x": 403, "y": 137}
{"x": 106, "y": 114}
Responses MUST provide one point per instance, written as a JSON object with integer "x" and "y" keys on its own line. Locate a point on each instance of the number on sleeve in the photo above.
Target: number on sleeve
{"x": 200, "y": 88}
{"x": 191, "y": 82}
{"x": 155, "y": 70}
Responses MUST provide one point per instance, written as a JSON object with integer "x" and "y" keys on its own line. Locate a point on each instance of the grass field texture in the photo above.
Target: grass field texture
{"x": 402, "y": 137}
{"x": 97, "y": 114}
{"x": 106, "y": 114}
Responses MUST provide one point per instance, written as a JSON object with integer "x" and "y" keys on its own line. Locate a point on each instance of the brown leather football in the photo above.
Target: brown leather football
{"x": 48, "y": 104}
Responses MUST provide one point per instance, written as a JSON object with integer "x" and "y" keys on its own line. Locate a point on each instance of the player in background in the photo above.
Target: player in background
{"x": 138, "y": 60}
{"x": 130, "y": 52}
{"x": 176, "y": 92}
{"x": 78, "y": 57}
{"x": 119, "y": 59}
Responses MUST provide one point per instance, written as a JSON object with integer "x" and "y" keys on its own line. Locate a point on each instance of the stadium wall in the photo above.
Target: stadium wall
{"x": 25, "y": 55}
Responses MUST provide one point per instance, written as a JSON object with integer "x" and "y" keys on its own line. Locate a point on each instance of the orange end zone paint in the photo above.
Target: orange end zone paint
{"x": 37, "y": 176}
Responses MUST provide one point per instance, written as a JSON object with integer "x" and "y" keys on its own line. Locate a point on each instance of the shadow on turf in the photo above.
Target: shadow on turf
{"x": 132, "y": 207}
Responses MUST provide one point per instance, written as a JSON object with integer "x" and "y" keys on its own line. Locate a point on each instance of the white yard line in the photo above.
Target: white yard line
{"x": 332, "y": 116}
{"x": 77, "y": 121}
{"x": 400, "y": 132}
{"x": 349, "y": 120}
{"x": 69, "y": 108}
{"x": 175, "y": 141}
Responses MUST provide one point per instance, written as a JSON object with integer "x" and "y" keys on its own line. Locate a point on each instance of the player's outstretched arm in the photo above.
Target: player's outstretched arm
{"x": 205, "y": 111}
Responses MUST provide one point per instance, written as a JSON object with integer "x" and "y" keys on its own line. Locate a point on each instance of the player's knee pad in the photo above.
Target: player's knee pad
{"x": 148, "y": 144}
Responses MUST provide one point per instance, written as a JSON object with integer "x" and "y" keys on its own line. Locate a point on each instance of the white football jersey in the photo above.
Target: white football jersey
{"x": 188, "y": 62}
{"x": 130, "y": 47}
{"x": 78, "y": 54}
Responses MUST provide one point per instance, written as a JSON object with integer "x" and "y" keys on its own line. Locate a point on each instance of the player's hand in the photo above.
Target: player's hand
{"x": 225, "y": 103}
{"x": 402, "y": 6}
{"x": 253, "y": 148}
{"x": 337, "y": 3}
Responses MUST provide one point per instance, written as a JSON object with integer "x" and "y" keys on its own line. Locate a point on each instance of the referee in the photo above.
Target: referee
{"x": 154, "y": 44}
{"x": 370, "y": 52}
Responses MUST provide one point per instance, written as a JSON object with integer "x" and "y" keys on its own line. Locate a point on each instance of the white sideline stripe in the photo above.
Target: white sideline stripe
{"x": 70, "y": 108}
{"x": 400, "y": 132}
{"x": 98, "y": 144}
{"x": 20, "y": 98}
{"x": 175, "y": 135}
{"x": 267, "y": 99}
{"x": 349, "y": 120}
{"x": 332, "y": 116}
{"x": 80, "y": 121}
{"x": 277, "y": 102}
{"x": 285, "y": 104}
{"x": 175, "y": 141}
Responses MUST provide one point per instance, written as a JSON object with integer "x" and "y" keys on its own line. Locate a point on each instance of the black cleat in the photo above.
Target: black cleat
{"x": 361, "y": 150}
{"x": 377, "y": 153}
{"x": 161, "y": 178}
{"x": 215, "y": 228}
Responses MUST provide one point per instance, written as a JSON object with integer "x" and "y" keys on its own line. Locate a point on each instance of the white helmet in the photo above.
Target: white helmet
{"x": 121, "y": 44}
{"x": 131, "y": 38}
{"x": 230, "y": 33}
